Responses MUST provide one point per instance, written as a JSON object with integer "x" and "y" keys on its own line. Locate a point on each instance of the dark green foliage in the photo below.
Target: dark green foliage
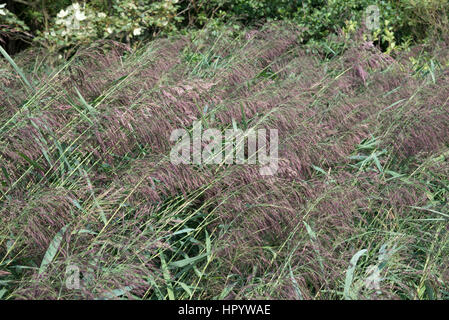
{"x": 400, "y": 21}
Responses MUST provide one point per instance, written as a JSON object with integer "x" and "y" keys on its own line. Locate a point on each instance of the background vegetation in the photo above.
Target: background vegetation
{"x": 61, "y": 24}
{"x": 91, "y": 91}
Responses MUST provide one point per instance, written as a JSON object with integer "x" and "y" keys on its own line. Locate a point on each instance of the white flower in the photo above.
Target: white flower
{"x": 109, "y": 30}
{"x": 2, "y": 12}
{"x": 137, "y": 31}
{"x": 62, "y": 13}
{"x": 76, "y": 6}
{"x": 80, "y": 16}
{"x": 101, "y": 15}
{"x": 2, "y": 5}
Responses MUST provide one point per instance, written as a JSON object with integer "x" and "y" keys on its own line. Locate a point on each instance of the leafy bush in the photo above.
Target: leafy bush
{"x": 422, "y": 18}
{"x": 60, "y": 25}
{"x": 399, "y": 22}
{"x": 78, "y": 24}
{"x": 250, "y": 11}
{"x": 10, "y": 24}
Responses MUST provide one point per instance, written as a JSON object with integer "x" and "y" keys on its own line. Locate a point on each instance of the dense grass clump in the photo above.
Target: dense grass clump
{"x": 357, "y": 210}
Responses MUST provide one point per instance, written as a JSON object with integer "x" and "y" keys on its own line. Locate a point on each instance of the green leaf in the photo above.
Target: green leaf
{"x": 234, "y": 125}
{"x": 295, "y": 284}
{"x": 225, "y": 292}
{"x": 377, "y": 162}
{"x": 208, "y": 244}
{"x": 52, "y": 250}
{"x": 350, "y": 274}
{"x": 84, "y": 102}
{"x": 244, "y": 121}
{"x": 310, "y": 231}
{"x": 16, "y": 67}
{"x": 5, "y": 173}
{"x": 186, "y": 288}
{"x": 319, "y": 170}
{"x": 32, "y": 162}
{"x": 117, "y": 292}
{"x": 2, "y": 292}
{"x": 188, "y": 261}
{"x": 313, "y": 239}
{"x": 167, "y": 278}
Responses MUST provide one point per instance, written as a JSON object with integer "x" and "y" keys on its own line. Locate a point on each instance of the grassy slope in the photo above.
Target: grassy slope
{"x": 358, "y": 208}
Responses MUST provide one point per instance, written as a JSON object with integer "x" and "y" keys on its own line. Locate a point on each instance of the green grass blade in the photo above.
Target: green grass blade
{"x": 52, "y": 250}
{"x": 188, "y": 261}
{"x": 167, "y": 278}
{"x": 32, "y": 162}
{"x": 350, "y": 273}
{"x": 16, "y": 67}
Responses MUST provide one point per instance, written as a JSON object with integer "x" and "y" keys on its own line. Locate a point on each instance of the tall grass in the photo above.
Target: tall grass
{"x": 357, "y": 210}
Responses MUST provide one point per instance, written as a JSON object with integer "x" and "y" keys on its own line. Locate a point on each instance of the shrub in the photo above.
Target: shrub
{"x": 123, "y": 20}
{"x": 10, "y": 25}
{"x": 59, "y": 25}
{"x": 422, "y": 18}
